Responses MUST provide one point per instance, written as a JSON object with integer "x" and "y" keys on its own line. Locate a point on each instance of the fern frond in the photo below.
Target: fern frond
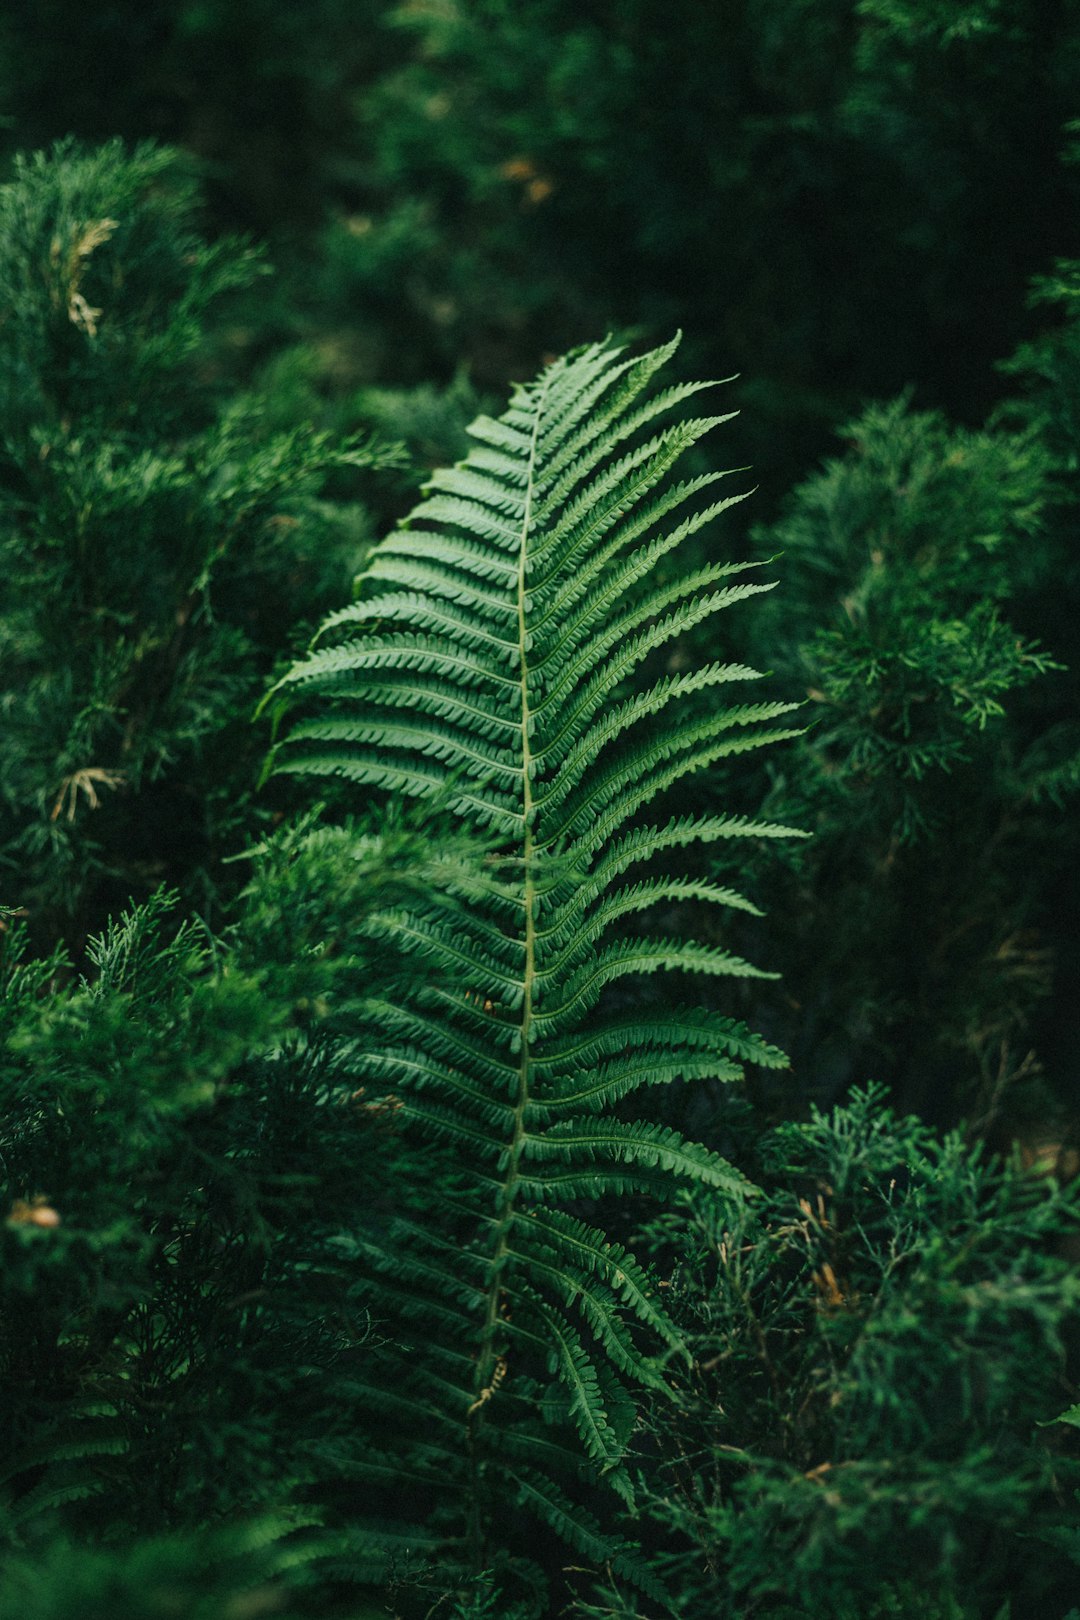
{"x": 487, "y": 665}
{"x": 70, "y": 1465}
{"x": 685, "y": 1030}
{"x": 635, "y": 1143}
{"x": 580, "y": 1529}
{"x": 578, "y": 1375}
{"x": 587, "y": 1250}
{"x": 650, "y": 1066}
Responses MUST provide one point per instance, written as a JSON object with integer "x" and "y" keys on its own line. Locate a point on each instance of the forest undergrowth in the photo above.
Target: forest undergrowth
{"x": 536, "y": 1042}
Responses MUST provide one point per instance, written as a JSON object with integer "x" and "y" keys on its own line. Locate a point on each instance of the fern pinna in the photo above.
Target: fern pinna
{"x": 488, "y": 664}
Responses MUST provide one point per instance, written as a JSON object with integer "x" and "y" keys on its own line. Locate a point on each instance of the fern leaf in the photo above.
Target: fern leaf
{"x": 580, "y": 1529}
{"x": 488, "y": 666}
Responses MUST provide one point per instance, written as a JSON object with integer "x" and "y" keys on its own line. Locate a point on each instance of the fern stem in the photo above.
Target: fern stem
{"x": 488, "y": 1358}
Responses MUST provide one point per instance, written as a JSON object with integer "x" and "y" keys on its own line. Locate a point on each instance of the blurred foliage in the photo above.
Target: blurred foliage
{"x": 217, "y": 1575}
{"x": 837, "y": 199}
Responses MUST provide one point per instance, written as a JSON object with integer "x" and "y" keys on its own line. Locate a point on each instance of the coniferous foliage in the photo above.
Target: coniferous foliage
{"x": 487, "y": 666}
{"x": 918, "y": 559}
{"x": 156, "y": 540}
{"x": 185, "y": 1167}
{"x": 884, "y": 1342}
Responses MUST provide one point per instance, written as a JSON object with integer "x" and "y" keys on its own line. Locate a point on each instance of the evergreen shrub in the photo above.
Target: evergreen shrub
{"x": 331, "y": 1276}
{"x": 158, "y": 543}
{"x": 883, "y": 1343}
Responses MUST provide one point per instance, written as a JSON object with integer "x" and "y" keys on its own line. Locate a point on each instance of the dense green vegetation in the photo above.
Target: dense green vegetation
{"x": 481, "y": 1136}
